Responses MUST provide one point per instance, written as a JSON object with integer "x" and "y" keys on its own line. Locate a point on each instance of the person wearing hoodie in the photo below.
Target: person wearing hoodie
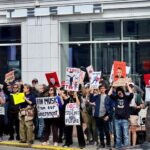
{"x": 122, "y": 113}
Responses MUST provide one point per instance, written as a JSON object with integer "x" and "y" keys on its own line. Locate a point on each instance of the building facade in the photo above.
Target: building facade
{"x": 40, "y": 36}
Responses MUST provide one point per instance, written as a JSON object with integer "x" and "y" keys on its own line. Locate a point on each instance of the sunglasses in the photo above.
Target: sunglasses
{"x": 15, "y": 87}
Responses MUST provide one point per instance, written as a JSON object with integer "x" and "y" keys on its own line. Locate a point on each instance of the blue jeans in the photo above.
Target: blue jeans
{"x": 40, "y": 127}
{"x": 122, "y": 131}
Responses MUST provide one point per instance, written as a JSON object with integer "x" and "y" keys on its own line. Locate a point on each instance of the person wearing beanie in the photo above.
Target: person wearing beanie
{"x": 122, "y": 114}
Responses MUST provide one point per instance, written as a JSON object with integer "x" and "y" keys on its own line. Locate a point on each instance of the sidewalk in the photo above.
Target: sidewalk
{"x": 37, "y": 144}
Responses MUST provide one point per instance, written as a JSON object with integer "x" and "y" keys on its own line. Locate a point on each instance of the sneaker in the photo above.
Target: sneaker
{"x": 82, "y": 146}
{"x": 17, "y": 137}
{"x": 55, "y": 144}
{"x": 11, "y": 138}
{"x": 1, "y": 139}
{"x": 45, "y": 143}
{"x": 65, "y": 145}
{"x": 22, "y": 141}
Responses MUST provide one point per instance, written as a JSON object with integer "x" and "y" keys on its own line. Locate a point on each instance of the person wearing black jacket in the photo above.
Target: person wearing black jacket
{"x": 73, "y": 98}
{"x": 12, "y": 111}
{"x": 122, "y": 113}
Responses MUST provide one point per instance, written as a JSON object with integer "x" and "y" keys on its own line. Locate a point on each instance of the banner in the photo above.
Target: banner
{"x": 119, "y": 70}
{"x": 9, "y": 77}
{"x": 47, "y": 107}
{"x": 72, "y": 79}
{"x": 94, "y": 82}
{"x": 72, "y": 114}
{"x": 147, "y": 79}
{"x": 18, "y": 98}
{"x": 52, "y": 79}
{"x": 82, "y": 76}
{"x": 147, "y": 93}
{"x": 90, "y": 70}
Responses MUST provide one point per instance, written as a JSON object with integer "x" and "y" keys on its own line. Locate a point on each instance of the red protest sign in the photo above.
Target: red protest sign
{"x": 147, "y": 79}
{"x": 52, "y": 79}
{"x": 119, "y": 70}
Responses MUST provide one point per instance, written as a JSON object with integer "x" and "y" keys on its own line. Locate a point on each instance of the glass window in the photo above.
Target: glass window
{"x": 79, "y": 31}
{"x": 136, "y": 29}
{"x": 103, "y": 56}
{"x": 107, "y": 30}
{"x": 10, "y": 34}
{"x": 137, "y": 55}
{"x": 10, "y": 58}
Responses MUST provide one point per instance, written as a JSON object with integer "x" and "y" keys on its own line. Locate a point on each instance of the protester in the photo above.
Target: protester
{"x": 102, "y": 115}
{"x": 2, "y": 112}
{"x": 43, "y": 92}
{"x": 52, "y": 123}
{"x": 12, "y": 111}
{"x": 122, "y": 114}
{"x": 135, "y": 106}
{"x": 26, "y": 115}
{"x": 74, "y": 98}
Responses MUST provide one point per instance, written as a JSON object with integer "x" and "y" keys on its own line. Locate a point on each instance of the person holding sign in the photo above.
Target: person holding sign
{"x": 26, "y": 115}
{"x": 12, "y": 111}
{"x": 52, "y": 123}
{"x": 2, "y": 113}
{"x": 74, "y": 99}
{"x": 122, "y": 113}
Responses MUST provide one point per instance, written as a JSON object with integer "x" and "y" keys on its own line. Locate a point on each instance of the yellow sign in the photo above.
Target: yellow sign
{"x": 18, "y": 98}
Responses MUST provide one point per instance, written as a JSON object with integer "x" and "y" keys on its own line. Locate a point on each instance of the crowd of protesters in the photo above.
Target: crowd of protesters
{"x": 104, "y": 113}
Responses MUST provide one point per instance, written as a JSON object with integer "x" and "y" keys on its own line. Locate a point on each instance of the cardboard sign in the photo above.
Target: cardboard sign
{"x": 9, "y": 77}
{"x": 47, "y": 107}
{"x": 94, "y": 82}
{"x": 2, "y": 110}
{"x": 72, "y": 79}
{"x": 147, "y": 79}
{"x": 82, "y": 76}
{"x": 121, "y": 82}
{"x": 90, "y": 70}
{"x": 18, "y": 98}
{"x": 119, "y": 70}
{"x": 52, "y": 79}
{"x": 72, "y": 114}
{"x": 147, "y": 93}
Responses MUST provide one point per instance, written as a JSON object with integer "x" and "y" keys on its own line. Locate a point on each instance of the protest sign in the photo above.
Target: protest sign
{"x": 147, "y": 79}
{"x": 18, "y": 98}
{"x": 119, "y": 70}
{"x": 72, "y": 79}
{"x": 72, "y": 114}
{"x": 90, "y": 70}
{"x": 121, "y": 82}
{"x": 52, "y": 79}
{"x": 111, "y": 78}
{"x": 9, "y": 77}
{"x": 147, "y": 93}
{"x": 82, "y": 76}
{"x": 2, "y": 110}
{"x": 47, "y": 107}
{"x": 94, "y": 82}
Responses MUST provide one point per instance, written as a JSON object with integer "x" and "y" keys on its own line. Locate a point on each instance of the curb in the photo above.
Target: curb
{"x": 35, "y": 146}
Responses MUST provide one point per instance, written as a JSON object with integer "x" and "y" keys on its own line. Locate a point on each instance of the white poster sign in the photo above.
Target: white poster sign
{"x": 147, "y": 93}
{"x": 72, "y": 114}
{"x": 47, "y": 107}
{"x": 94, "y": 82}
{"x": 72, "y": 79}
